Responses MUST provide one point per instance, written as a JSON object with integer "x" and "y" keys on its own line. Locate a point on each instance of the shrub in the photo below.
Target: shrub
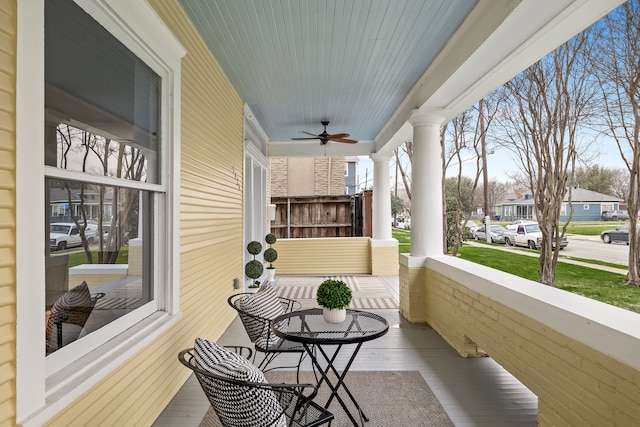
{"x": 253, "y": 269}
{"x": 334, "y": 294}
{"x": 270, "y": 255}
{"x": 254, "y": 247}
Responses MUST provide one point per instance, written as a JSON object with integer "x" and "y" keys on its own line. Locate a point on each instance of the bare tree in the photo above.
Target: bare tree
{"x": 404, "y": 151}
{"x": 493, "y": 192}
{"x": 620, "y": 186}
{"x": 617, "y": 68}
{"x": 546, "y": 103}
{"x": 465, "y": 139}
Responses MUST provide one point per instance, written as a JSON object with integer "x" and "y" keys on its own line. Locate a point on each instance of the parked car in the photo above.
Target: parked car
{"x": 496, "y": 231}
{"x": 64, "y": 235}
{"x": 472, "y": 227}
{"x": 529, "y": 235}
{"x": 619, "y": 234}
{"x": 616, "y": 215}
{"x": 514, "y": 224}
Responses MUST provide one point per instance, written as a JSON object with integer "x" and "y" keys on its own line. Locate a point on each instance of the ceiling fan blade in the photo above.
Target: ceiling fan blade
{"x": 344, "y": 140}
{"x": 300, "y": 139}
{"x": 308, "y": 133}
{"x": 338, "y": 135}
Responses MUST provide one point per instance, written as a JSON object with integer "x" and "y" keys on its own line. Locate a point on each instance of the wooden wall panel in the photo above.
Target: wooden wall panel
{"x": 313, "y": 217}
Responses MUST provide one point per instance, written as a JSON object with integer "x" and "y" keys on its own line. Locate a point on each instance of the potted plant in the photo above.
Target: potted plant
{"x": 334, "y": 296}
{"x": 254, "y": 268}
{"x": 270, "y": 255}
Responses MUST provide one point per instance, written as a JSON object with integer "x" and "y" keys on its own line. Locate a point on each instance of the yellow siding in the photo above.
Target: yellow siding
{"x": 575, "y": 384}
{"x": 211, "y": 240}
{"x": 340, "y": 255}
{"x": 7, "y": 213}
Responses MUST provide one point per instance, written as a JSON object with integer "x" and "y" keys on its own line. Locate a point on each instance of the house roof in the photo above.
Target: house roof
{"x": 367, "y": 65}
{"x": 578, "y": 195}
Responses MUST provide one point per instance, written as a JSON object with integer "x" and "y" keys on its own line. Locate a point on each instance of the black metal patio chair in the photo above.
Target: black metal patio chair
{"x": 241, "y": 397}
{"x": 257, "y": 311}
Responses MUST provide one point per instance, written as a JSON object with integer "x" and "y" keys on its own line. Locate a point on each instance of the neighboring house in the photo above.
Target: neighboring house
{"x": 320, "y": 176}
{"x": 587, "y": 206}
{"x": 60, "y": 210}
{"x": 350, "y": 175}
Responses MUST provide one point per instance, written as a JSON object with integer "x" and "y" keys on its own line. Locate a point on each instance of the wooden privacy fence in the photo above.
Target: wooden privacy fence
{"x": 318, "y": 216}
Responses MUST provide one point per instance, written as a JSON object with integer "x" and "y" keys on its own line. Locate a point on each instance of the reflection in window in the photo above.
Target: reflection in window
{"x": 95, "y": 272}
{"x": 83, "y": 151}
{"x": 102, "y": 152}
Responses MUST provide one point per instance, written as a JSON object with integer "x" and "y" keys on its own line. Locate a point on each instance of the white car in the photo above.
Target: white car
{"x": 514, "y": 224}
{"x": 472, "y": 226}
{"x": 64, "y": 235}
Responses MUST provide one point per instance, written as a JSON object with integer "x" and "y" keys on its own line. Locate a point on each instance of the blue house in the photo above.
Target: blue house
{"x": 587, "y": 206}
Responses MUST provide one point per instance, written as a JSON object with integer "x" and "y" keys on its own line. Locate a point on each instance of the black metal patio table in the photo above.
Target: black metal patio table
{"x": 309, "y": 328}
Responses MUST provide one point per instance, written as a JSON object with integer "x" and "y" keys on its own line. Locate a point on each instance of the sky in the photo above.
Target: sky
{"x": 499, "y": 164}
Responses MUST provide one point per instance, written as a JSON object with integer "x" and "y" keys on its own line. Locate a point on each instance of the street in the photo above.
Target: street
{"x": 591, "y": 247}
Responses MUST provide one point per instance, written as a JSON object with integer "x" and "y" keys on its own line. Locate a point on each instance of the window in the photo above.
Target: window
{"x": 102, "y": 112}
{"x": 563, "y": 209}
{"x": 606, "y": 207}
{"x": 108, "y": 75}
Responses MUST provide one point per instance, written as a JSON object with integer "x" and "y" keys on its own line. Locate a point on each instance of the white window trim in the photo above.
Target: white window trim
{"x": 137, "y": 25}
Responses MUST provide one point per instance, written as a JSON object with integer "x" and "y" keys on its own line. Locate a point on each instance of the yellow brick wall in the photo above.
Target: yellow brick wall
{"x": 576, "y": 385}
{"x": 412, "y": 293}
{"x": 340, "y": 255}
{"x": 7, "y": 212}
{"x": 384, "y": 260}
{"x": 211, "y": 241}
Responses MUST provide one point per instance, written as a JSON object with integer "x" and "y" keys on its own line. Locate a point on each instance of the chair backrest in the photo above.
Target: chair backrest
{"x": 256, "y": 311}
{"x": 68, "y": 315}
{"x": 239, "y": 402}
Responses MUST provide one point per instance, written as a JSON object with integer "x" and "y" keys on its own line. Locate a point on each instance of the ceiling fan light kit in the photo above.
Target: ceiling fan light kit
{"x": 325, "y": 137}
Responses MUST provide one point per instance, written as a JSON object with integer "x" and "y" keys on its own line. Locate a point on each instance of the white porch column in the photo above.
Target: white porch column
{"x": 426, "y": 185}
{"x": 384, "y": 248}
{"x": 381, "y": 218}
{"x": 426, "y": 214}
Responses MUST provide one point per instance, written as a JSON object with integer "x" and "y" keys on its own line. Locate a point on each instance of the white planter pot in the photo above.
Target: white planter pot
{"x": 334, "y": 315}
{"x": 271, "y": 274}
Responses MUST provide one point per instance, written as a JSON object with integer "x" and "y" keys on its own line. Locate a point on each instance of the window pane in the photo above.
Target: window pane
{"x": 84, "y": 151}
{"x": 98, "y": 260}
{"x": 95, "y": 84}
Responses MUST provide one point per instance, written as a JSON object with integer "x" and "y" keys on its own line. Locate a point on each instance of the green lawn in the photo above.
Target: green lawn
{"x": 78, "y": 257}
{"x": 404, "y": 239}
{"x": 589, "y": 282}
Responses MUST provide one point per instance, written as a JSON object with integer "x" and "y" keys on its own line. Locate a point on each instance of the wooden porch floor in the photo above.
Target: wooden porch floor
{"x": 474, "y": 392}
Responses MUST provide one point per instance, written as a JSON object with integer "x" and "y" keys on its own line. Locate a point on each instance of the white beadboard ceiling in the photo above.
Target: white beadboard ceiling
{"x": 366, "y": 64}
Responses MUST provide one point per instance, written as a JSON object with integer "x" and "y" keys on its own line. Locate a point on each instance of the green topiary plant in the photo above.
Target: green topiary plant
{"x": 334, "y": 294}
{"x": 270, "y": 255}
{"x": 254, "y": 248}
{"x": 254, "y": 268}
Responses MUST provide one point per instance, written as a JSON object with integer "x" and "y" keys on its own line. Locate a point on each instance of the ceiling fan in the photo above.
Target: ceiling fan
{"x": 325, "y": 137}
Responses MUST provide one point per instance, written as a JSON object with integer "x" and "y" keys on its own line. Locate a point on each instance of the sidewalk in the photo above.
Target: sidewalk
{"x": 560, "y": 259}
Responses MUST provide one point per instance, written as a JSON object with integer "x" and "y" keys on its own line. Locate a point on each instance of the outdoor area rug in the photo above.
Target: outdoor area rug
{"x": 368, "y": 291}
{"x": 389, "y": 398}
